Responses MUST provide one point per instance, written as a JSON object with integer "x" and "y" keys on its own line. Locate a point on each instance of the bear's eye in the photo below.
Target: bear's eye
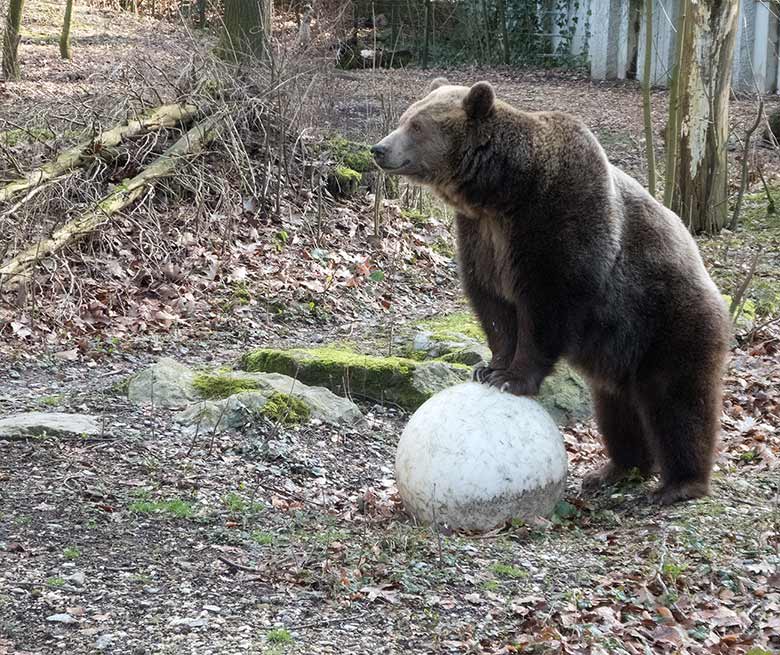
{"x": 415, "y": 126}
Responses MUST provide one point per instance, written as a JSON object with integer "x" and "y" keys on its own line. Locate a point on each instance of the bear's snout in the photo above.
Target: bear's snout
{"x": 379, "y": 151}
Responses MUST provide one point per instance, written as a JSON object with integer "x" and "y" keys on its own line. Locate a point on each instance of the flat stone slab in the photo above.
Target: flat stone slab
{"x": 51, "y": 424}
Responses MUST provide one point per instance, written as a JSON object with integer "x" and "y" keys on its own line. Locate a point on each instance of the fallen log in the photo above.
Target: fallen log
{"x": 121, "y": 197}
{"x": 159, "y": 118}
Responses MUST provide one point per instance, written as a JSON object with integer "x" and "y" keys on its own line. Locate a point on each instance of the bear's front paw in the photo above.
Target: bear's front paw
{"x": 514, "y": 382}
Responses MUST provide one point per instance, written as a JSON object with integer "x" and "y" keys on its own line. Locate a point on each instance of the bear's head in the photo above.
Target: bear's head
{"x": 433, "y": 134}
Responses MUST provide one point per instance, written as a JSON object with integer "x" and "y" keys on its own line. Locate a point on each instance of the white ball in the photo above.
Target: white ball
{"x": 472, "y": 458}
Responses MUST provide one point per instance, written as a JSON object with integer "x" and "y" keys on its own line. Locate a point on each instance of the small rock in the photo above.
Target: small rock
{"x": 14, "y": 374}
{"x": 53, "y": 424}
{"x": 431, "y": 377}
{"x": 104, "y": 641}
{"x": 212, "y": 608}
{"x": 78, "y": 578}
{"x": 471, "y": 355}
{"x": 67, "y": 355}
{"x": 164, "y": 384}
{"x": 61, "y": 618}
{"x": 189, "y": 622}
{"x": 423, "y": 342}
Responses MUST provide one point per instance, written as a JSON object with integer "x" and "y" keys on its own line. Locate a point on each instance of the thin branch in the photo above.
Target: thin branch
{"x": 745, "y": 159}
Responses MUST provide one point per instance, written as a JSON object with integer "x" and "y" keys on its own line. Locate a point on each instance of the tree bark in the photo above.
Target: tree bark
{"x": 65, "y": 36}
{"x": 700, "y": 196}
{"x": 159, "y": 118}
{"x": 126, "y": 193}
{"x": 646, "y": 97}
{"x": 13, "y": 23}
{"x": 247, "y": 30}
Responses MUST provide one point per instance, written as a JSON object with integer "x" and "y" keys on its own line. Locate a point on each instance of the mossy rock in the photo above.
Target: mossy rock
{"x": 470, "y": 355}
{"x": 566, "y": 395}
{"x": 268, "y": 394}
{"x": 405, "y": 382}
{"x": 351, "y": 154}
{"x": 344, "y": 181}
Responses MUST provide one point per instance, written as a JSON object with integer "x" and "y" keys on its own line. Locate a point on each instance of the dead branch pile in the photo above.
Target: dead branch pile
{"x": 191, "y": 144}
{"x": 147, "y": 226}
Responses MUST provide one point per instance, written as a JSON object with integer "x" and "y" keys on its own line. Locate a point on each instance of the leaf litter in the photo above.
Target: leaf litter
{"x": 293, "y": 540}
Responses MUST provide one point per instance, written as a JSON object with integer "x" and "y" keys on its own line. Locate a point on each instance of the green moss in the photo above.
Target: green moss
{"x": 348, "y": 175}
{"x": 216, "y": 387}
{"x": 509, "y": 571}
{"x": 443, "y": 247}
{"x": 344, "y": 181}
{"x": 176, "y": 507}
{"x": 71, "y": 553}
{"x": 351, "y": 154}
{"x": 279, "y": 636}
{"x": 285, "y": 409}
{"x": 262, "y": 538}
{"x": 417, "y": 218}
{"x": 454, "y": 326}
{"x": 241, "y": 293}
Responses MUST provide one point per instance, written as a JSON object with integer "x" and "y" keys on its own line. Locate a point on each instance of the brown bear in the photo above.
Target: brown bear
{"x": 562, "y": 255}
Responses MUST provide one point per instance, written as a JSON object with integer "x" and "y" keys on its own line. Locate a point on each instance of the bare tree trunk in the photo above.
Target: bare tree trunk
{"x": 672, "y": 126}
{"x": 702, "y": 107}
{"x": 65, "y": 36}
{"x": 13, "y": 24}
{"x": 646, "y": 98}
{"x": 427, "y": 43}
{"x": 247, "y": 29}
{"x": 504, "y": 32}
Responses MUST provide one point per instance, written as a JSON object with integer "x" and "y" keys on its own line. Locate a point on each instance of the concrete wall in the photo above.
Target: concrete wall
{"x": 755, "y": 69}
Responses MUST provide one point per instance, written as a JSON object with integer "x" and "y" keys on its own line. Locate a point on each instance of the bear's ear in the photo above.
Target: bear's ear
{"x": 478, "y": 103}
{"x": 435, "y": 84}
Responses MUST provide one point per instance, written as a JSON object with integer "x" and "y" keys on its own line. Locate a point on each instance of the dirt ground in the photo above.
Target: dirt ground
{"x": 292, "y": 540}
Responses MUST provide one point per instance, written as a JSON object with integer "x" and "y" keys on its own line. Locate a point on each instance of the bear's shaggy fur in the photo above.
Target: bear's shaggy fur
{"x": 562, "y": 255}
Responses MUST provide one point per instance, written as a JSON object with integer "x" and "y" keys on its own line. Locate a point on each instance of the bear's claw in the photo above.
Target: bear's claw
{"x": 510, "y": 381}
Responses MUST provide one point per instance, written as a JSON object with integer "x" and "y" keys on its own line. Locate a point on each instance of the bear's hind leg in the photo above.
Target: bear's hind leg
{"x": 682, "y": 417}
{"x": 626, "y": 444}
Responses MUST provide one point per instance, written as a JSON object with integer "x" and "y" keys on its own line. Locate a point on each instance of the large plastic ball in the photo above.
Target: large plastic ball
{"x": 472, "y": 458}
